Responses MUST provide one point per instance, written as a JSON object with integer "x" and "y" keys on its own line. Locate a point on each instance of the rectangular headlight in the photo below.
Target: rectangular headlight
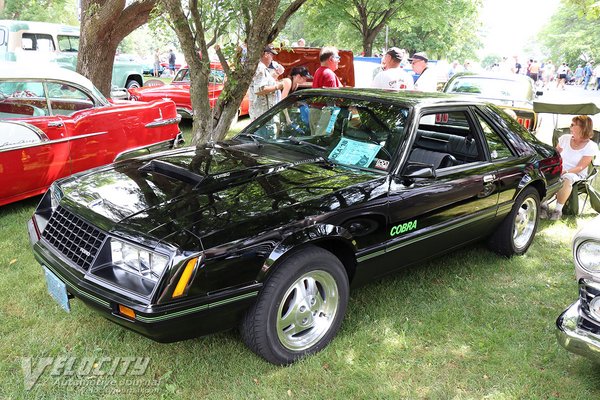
{"x": 137, "y": 260}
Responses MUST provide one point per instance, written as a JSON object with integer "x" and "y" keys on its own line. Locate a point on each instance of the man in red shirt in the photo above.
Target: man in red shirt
{"x": 325, "y": 75}
{"x": 321, "y": 117}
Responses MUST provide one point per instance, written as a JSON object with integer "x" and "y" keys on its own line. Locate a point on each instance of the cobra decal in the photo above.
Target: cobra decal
{"x": 402, "y": 228}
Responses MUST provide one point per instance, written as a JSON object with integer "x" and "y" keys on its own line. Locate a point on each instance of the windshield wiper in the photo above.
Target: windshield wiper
{"x": 293, "y": 140}
{"x": 253, "y": 137}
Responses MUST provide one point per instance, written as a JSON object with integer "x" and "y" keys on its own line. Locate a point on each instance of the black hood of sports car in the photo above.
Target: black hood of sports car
{"x": 215, "y": 195}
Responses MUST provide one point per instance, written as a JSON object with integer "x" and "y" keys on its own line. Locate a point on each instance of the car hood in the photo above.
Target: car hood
{"x": 215, "y": 195}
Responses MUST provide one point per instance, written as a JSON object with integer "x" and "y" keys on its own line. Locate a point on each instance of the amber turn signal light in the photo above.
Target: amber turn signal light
{"x": 185, "y": 278}
{"x": 126, "y": 311}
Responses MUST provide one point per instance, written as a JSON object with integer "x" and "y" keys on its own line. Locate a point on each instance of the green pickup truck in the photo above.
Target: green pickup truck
{"x": 47, "y": 42}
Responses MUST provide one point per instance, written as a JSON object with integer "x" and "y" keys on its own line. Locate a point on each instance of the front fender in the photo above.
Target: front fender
{"x": 314, "y": 234}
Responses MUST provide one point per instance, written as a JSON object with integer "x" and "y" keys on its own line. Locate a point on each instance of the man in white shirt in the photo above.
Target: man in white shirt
{"x": 427, "y": 80}
{"x": 393, "y": 77}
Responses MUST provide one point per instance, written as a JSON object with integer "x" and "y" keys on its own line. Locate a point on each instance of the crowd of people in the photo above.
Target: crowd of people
{"x": 547, "y": 75}
{"x": 267, "y": 87}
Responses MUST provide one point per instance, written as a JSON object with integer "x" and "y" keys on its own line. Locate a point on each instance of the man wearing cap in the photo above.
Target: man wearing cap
{"x": 393, "y": 77}
{"x": 264, "y": 87}
{"x": 427, "y": 80}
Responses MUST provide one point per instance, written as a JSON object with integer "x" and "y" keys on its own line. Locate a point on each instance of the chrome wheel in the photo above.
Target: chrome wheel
{"x": 307, "y": 310}
{"x": 525, "y": 223}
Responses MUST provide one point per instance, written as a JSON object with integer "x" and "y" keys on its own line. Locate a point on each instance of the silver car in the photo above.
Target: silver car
{"x": 578, "y": 327}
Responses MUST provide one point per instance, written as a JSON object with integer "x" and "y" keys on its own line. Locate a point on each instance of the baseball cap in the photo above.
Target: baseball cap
{"x": 419, "y": 56}
{"x": 395, "y": 53}
{"x": 270, "y": 49}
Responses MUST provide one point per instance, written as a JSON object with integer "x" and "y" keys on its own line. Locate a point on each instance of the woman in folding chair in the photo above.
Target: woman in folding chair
{"x": 577, "y": 151}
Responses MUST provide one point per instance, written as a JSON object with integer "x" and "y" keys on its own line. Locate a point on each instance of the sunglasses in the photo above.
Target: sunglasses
{"x": 336, "y": 58}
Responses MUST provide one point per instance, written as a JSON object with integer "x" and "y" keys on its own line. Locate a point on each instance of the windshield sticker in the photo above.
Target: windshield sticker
{"x": 334, "y": 113}
{"x": 403, "y": 228}
{"x": 381, "y": 164}
{"x": 352, "y": 152}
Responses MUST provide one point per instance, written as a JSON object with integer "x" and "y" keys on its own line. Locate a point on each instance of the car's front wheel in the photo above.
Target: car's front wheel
{"x": 300, "y": 308}
{"x": 132, "y": 84}
{"x": 515, "y": 234}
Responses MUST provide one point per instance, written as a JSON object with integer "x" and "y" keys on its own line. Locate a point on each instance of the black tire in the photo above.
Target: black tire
{"x": 515, "y": 234}
{"x": 282, "y": 327}
{"x": 133, "y": 84}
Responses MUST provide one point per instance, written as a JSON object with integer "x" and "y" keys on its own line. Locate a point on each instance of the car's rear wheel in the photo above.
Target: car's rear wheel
{"x": 515, "y": 234}
{"x": 300, "y": 308}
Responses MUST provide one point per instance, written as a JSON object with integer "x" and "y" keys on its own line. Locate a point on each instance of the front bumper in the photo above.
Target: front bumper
{"x": 163, "y": 323}
{"x": 574, "y": 334}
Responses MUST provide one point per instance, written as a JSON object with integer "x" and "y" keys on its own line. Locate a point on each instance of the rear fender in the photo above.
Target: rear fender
{"x": 318, "y": 235}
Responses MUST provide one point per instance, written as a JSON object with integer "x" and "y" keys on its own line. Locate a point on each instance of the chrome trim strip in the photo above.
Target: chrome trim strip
{"x": 196, "y": 309}
{"x": 68, "y": 139}
{"x": 163, "y": 122}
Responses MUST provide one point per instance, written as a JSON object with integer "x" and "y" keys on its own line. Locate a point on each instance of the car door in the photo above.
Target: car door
{"x": 509, "y": 157}
{"x": 430, "y": 215}
{"x": 33, "y": 152}
{"x": 92, "y": 129}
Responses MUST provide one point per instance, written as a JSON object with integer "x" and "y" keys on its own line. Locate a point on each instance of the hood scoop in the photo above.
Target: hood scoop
{"x": 172, "y": 171}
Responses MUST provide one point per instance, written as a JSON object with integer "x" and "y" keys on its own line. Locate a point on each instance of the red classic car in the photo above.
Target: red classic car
{"x": 179, "y": 91}
{"x": 54, "y": 123}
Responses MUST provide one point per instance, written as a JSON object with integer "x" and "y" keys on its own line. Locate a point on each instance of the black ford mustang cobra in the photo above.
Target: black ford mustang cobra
{"x": 327, "y": 190}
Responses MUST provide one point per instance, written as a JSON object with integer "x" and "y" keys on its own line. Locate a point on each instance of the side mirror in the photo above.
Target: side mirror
{"x": 413, "y": 170}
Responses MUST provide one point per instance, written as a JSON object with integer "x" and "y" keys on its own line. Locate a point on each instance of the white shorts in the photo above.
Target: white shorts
{"x": 572, "y": 177}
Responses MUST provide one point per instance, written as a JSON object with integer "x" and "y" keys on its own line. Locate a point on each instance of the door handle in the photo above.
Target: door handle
{"x": 489, "y": 178}
{"x": 56, "y": 124}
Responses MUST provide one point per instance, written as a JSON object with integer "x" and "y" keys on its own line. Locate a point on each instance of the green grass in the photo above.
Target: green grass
{"x": 470, "y": 325}
{"x": 186, "y": 128}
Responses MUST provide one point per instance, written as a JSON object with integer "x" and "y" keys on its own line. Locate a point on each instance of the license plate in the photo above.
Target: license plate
{"x": 57, "y": 290}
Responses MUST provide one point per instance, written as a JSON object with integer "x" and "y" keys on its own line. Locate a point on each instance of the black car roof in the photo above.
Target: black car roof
{"x": 407, "y": 97}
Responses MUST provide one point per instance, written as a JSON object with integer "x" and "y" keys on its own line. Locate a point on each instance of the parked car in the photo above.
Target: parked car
{"x": 179, "y": 91}
{"x": 327, "y": 190}
{"x": 148, "y": 68}
{"x": 54, "y": 122}
{"x": 43, "y": 42}
{"x": 578, "y": 327}
{"x": 511, "y": 91}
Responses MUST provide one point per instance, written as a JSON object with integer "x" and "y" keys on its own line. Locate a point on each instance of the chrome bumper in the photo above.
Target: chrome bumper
{"x": 575, "y": 339}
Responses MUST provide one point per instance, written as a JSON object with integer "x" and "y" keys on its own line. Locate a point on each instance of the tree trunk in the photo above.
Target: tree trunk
{"x": 104, "y": 24}
{"x": 212, "y": 124}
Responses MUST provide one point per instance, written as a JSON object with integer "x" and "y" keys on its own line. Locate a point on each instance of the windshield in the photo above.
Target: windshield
{"x": 358, "y": 133}
{"x": 491, "y": 88}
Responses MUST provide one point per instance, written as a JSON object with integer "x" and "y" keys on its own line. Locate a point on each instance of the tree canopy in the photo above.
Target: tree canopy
{"x": 573, "y": 33}
{"x": 445, "y": 28}
{"x": 58, "y": 11}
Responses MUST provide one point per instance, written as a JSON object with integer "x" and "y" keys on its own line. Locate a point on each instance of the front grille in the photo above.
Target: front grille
{"x": 77, "y": 240}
